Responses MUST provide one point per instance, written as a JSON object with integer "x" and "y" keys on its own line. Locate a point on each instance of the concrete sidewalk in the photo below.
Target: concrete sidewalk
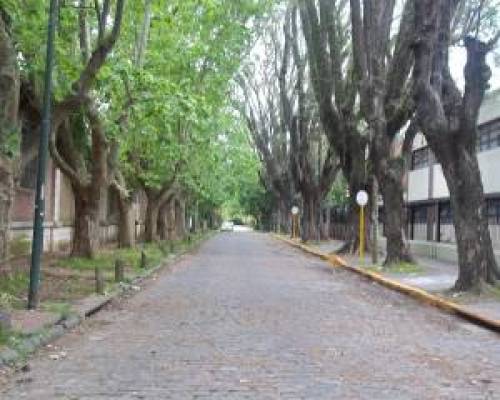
{"x": 432, "y": 275}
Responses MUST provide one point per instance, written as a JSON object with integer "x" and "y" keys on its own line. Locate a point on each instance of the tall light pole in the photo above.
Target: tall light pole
{"x": 37, "y": 244}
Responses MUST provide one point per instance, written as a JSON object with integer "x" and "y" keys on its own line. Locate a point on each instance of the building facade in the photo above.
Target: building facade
{"x": 427, "y": 197}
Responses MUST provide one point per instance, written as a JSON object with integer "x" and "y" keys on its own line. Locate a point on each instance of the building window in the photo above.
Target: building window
{"x": 488, "y": 137}
{"x": 420, "y": 158}
{"x": 484, "y": 141}
{"x": 445, "y": 213}
{"x": 493, "y": 207}
{"x": 420, "y": 215}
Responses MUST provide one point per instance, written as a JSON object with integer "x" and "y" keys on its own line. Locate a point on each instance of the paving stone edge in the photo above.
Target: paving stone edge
{"x": 416, "y": 293}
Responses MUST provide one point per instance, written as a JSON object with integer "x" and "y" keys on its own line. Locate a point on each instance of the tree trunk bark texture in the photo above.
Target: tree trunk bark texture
{"x": 180, "y": 218}
{"x": 126, "y": 223}
{"x": 397, "y": 249}
{"x": 86, "y": 228}
{"x": 151, "y": 229}
{"x": 310, "y": 221}
{"x": 477, "y": 264}
{"x": 9, "y": 124}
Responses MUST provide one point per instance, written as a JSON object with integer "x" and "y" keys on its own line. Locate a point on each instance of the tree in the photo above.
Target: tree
{"x": 313, "y": 176}
{"x": 325, "y": 30}
{"x": 448, "y": 119}
{"x": 383, "y": 71}
{"x": 259, "y": 105}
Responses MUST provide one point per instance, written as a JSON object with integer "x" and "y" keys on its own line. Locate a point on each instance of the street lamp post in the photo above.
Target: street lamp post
{"x": 362, "y": 200}
{"x": 37, "y": 244}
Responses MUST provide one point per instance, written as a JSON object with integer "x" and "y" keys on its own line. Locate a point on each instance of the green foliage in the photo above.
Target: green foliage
{"x": 338, "y": 195}
{"x": 19, "y": 246}
{"x": 12, "y": 286}
{"x": 106, "y": 259}
{"x": 167, "y": 112}
{"x": 61, "y": 308}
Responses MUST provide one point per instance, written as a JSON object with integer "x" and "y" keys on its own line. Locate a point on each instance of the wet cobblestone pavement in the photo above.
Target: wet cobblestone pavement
{"x": 248, "y": 317}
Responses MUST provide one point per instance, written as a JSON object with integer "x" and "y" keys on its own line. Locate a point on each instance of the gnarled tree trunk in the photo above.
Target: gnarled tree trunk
{"x": 394, "y": 218}
{"x": 448, "y": 120}
{"x": 475, "y": 252}
{"x": 310, "y": 216}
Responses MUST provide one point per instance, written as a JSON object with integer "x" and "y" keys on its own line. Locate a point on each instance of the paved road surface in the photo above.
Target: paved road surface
{"x": 248, "y": 317}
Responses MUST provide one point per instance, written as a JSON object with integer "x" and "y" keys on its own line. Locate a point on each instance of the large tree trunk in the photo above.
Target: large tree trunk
{"x": 284, "y": 216}
{"x": 477, "y": 264}
{"x": 86, "y": 228}
{"x": 389, "y": 170}
{"x": 151, "y": 229}
{"x": 9, "y": 84}
{"x": 394, "y": 218}
{"x": 170, "y": 220}
{"x": 126, "y": 223}
{"x": 180, "y": 218}
{"x": 9, "y": 124}
{"x": 448, "y": 118}
{"x": 325, "y": 223}
{"x": 6, "y": 196}
{"x": 166, "y": 222}
{"x": 310, "y": 216}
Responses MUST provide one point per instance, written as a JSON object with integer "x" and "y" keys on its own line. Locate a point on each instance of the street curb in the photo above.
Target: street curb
{"x": 30, "y": 344}
{"x": 416, "y": 293}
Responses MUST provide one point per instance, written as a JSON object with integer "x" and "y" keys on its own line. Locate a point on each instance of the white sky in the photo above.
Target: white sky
{"x": 457, "y": 63}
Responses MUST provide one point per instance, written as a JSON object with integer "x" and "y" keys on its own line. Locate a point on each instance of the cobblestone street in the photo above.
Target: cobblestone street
{"x": 247, "y": 317}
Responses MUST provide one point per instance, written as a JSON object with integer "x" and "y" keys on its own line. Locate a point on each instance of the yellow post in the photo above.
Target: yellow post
{"x": 362, "y": 235}
{"x": 294, "y": 227}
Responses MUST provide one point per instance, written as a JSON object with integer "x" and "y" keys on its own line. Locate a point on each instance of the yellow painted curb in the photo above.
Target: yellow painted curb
{"x": 416, "y": 293}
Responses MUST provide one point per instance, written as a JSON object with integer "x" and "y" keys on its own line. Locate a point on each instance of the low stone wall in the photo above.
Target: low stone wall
{"x": 56, "y": 238}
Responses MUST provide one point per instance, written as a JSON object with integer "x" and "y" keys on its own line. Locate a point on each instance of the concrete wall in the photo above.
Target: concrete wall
{"x": 58, "y": 238}
{"x": 439, "y": 187}
{"x": 489, "y": 163}
{"x": 420, "y": 231}
{"x": 418, "y": 180}
{"x": 418, "y": 185}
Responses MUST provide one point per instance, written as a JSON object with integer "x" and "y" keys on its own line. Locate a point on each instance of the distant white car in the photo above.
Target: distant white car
{"x": 227, "y": 226}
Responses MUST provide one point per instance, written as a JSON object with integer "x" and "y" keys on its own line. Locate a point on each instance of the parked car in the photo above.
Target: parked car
{"x": 227, "y": 226}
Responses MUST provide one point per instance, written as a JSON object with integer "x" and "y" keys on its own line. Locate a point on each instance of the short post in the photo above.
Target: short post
{"x": 119, "y": 270}
{"x": 144, "y": 263}
{"x": 99, "y": 281}
{"x": 362, "y": 200}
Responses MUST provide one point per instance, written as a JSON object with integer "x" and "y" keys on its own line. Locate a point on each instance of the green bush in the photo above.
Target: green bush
{"x": 20, "y": 246}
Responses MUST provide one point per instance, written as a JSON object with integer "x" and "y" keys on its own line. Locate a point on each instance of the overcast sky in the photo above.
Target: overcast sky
{"x": 457, "y": 63}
